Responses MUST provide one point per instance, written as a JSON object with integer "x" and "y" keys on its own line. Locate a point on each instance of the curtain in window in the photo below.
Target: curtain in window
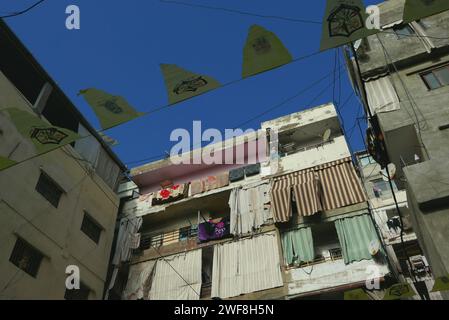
{"x": 177, "y": 277}
{"x": 355, "y": 235}
{"x": 246, "y": 266}
{"x": 297, "y": 246}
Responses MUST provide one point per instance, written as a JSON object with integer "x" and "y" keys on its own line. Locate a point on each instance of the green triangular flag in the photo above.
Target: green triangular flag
{"x": 441, "y": 284}
{"x": 263, "y": 51}
{"x": 357, "y": 294}
{"x": 43, "y": 135}
{"x": 344, "y": 22}
{"x": 111, "y": 110}
{"x": 399, "y": 291}
{"x": 6, "y": 163}
{"x": 182, "y": 84}
{"x": 418, "y": 9}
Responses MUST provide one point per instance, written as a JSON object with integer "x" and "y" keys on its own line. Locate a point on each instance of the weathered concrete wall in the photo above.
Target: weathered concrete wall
{"x": 55, "y": 232}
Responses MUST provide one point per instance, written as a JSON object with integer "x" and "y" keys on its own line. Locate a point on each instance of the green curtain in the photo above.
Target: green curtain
{"x": 355, "y": 235}
{"x": 298, "y": 246}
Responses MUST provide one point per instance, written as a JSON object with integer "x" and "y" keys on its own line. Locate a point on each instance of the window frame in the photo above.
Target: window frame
{"x": 48, "y": 179}
{"x": 94, "y": 223}
{"x": 400, "y": 36}
{"x": 432, "y": 72}
{"x": 32, "y": 268}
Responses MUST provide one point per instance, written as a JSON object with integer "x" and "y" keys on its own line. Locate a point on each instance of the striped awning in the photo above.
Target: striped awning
{"x": 340, "y": 184}
{"x": 326, "y": 187}
{"x": 305, "y": 185}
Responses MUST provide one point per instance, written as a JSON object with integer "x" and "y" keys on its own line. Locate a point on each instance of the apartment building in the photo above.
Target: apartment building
{"x": 408, "y": 261}
{"x": 290, "y": 223}
{"x": 405, "y": 74}
{"x": 57, "y": 209}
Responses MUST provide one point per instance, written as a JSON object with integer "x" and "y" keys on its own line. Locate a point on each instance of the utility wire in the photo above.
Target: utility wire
{"x": 15, "y": 14}
{"x": 194, "y": 5}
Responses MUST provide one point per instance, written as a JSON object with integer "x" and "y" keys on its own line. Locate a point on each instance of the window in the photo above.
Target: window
{"x": 404, "y": 31}
{"x": 366, "y": 160}
{"x": 49, "y": 189}
{"x": 382, "y": 188}
{"x": 188, "y": 232}
{"x": 26, "y": 257}
{"x": 77, "y": 294}
{"x": 436, "y": 78}
{"x": 91, "y": 228}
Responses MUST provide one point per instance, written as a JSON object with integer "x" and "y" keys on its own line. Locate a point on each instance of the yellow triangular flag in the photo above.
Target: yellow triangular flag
{"x": 418, "y": 9}
{"x": 182, "y": 84}
{"x": 6, "y": 163}
{"x": 357, "y": 294}
{"x": 399, "y": 291}
{"x": 344, "y": 22}
{"x": 263, "y": 51}
{"x": 441, "y": 284}
{"x": 111, "y": 110}
{"x": 43, "y": 135}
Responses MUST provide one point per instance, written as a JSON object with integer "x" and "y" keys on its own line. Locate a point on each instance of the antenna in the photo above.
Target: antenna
{"x": 392, "y": 171}
{"x": 374, "y": 247}
{"x": 327, "y": 135}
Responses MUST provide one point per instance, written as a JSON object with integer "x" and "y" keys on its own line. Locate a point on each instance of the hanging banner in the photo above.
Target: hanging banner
{"x": 357, "y": 294}
{"x": 43, "y": 135}
{"x": 418, "y": 9}
{"x": 111, "y": 110}
{"x": 399, "y": 291}
{"x": 6, "y": 163}
{"x": 345, "y": 21}
{"x": 182, "y": 84}
{"x": 441, "y": 284}
{"x": 263, "y": 51}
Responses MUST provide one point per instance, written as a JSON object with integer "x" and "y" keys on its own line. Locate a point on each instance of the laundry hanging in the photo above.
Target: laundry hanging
{"x": 177, "y": 277}
{"x": 44, "y": 136}
{"x": 171, "y": 194}
{"x": 182, "y": 84}
{"x": 214, "y": 230}
{"x": 417, "y": 9}
{"x": 249, "y": 208}
{"x": 263, "y": 51}
{"x": 111, "y": 110}
{"x": 344, "y": 22}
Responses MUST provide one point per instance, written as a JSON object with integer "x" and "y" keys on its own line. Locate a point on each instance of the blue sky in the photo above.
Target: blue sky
{"x": 121, "y": 44}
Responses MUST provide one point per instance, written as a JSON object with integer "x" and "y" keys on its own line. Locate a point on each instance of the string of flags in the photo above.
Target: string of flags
{"x": 344, "y": 22}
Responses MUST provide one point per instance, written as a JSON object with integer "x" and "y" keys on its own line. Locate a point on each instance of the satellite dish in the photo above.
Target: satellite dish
{"x": 357, "y": 44}
{"x": 327, "y": 135}
{"x": 374, "y": 247}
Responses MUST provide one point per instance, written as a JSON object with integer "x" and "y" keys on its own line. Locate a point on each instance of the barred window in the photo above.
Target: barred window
{"x": 26, "y": 257}
{"x": 49, "y": 189}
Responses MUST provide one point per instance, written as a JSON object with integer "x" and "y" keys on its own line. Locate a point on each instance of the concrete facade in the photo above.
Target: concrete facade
{"x": 53, "y": 231}
{"x": 414, "y": 126}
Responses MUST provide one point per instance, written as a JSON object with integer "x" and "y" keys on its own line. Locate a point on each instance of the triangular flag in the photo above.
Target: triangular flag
{"x": 399, "y": 291}
{"x": 418, "y": 9}
{"x": 43, "y": 135}
{"x": 441, "y": 284}
{"x": 357, "y": 294}
{"x": 344, "y": 22}
{"x": 6, "y": 163}
{"x": 111, "y": 110}
{"x": 263, "y": 51}
{"x": 182, "y": 84}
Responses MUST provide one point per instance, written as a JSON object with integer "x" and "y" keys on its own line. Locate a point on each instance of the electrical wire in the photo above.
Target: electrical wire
{"x": 194, "y": 5}
{"x": 15, "y": 14}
